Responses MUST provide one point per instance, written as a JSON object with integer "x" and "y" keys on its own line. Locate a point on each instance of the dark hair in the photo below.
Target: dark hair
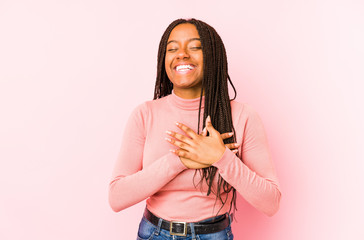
{"x": 215, "y": 87}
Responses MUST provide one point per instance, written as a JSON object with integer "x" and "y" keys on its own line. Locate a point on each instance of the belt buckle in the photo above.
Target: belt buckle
{"x": 178, "y": 234}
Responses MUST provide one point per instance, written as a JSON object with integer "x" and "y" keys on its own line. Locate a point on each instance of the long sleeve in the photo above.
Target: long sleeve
{"x": 254, "y": 177}
{"x": 131, "y": 181}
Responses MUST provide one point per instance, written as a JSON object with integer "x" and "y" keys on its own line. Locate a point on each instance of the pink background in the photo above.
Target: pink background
{"x": 71, "y": 71}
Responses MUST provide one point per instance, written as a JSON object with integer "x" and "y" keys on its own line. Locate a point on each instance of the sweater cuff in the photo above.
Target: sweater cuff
{"x": 225, "y": 159}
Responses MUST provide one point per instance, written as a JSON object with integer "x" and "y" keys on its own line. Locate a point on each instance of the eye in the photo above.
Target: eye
{"x": 172, "y": 50}
{"x": 196, "y": 48}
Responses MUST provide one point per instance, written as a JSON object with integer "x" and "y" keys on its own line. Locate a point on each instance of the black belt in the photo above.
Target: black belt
{"x": 183, "y": 228}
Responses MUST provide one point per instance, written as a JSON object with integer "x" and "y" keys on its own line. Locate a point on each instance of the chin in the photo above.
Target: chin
{"x": 185, "y": 82}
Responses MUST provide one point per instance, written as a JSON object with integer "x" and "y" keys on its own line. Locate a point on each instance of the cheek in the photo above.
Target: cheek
{"x": 167, "y": 66}
{"x": 200, "y": 61}
{"x": 167, "y": 62}
{"x": 198, "y": 57}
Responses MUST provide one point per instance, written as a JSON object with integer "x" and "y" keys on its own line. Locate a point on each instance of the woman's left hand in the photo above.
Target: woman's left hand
{"x": 199, "y": 148}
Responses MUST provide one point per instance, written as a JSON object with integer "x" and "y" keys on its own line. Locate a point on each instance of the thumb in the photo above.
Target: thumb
{"x": 209, "y": 126}
{"x": 204, "y": 132}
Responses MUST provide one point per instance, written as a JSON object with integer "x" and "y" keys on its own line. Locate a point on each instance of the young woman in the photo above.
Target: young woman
{"x": 191, "y": 148}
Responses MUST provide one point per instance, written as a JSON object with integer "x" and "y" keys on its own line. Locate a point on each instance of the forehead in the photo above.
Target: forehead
{"x": 184, "y": 32}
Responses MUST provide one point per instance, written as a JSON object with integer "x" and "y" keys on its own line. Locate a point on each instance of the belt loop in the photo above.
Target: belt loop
{"x": 193, "y": 234}
{"x": 157, "y": 231}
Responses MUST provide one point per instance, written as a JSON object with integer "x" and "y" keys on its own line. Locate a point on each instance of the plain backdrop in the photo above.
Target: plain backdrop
{"x": 71, "y": 72}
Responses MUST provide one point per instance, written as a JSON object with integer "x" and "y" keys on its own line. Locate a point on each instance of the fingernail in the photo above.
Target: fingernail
{"x": 235, "y": 150}
{"x": 236, "y": 144}
{"x": 231, "y": 133}
{"x": 168, "y": 132}
{"x": 208, "y": 118}
{"x": 167, "y": 139}
{"x": 177, "y": 123}
{"x": 172, "y": 150}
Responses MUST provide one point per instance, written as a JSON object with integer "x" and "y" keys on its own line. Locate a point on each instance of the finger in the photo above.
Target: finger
{"x": 207, "y": 121}
{"x": 187, "y": 130}
{"x": 209, "y": 126}
{"x": 227, "y": 135}
{"x": 204, "y": 132}
{"x": 179, "y": 144}
{"x": 232, "y": 145}
{"x": 183, "y": 153}
{"x": 192, "y": 164}
{"x": 235, "y": 150}
{"x": 180, "y": 137}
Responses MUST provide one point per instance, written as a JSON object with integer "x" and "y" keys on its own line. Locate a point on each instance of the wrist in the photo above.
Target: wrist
{"x": 221, "y": 152}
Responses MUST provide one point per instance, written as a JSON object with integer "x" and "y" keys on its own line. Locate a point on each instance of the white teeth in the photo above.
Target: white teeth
{"x": 184, "y": 67}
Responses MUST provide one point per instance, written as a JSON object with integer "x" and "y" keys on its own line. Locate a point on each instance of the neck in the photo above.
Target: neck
{"x": 188, "y": 94}
{"x": 191, "y": 104}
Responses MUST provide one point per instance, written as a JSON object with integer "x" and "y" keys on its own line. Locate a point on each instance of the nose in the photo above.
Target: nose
{"x": 182, "y": 53}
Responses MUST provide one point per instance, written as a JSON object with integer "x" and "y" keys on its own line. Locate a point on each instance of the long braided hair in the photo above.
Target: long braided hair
{"x": 215, "y": 86}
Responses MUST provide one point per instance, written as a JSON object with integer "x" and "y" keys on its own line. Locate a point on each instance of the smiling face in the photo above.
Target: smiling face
{"x": 184, "y": 61}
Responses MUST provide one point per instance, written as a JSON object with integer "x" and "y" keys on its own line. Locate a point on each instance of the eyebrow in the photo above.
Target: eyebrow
{"x": 191, "y": 39}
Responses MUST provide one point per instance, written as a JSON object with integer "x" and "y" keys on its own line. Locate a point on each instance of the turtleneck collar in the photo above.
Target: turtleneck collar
{"x": 185, "y": 104}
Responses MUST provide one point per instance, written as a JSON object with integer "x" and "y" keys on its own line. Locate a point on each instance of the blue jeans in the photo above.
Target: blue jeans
{"x": 148, "y": 231}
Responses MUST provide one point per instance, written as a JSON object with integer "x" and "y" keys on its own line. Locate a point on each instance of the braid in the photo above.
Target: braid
{"x": 217, "y": 101}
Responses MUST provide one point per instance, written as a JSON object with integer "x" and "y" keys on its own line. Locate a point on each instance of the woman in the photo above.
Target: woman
{"x": 191, "y": 148}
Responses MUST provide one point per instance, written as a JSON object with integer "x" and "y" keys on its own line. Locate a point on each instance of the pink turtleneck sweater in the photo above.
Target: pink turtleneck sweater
{"x": 146, "y": 169}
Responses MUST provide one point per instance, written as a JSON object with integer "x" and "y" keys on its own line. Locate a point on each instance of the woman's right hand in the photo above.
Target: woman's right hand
{"x": 196, "y": 165}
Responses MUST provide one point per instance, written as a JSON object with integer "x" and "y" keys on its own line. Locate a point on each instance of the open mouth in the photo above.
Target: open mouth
{"x": 184, "y": 68}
